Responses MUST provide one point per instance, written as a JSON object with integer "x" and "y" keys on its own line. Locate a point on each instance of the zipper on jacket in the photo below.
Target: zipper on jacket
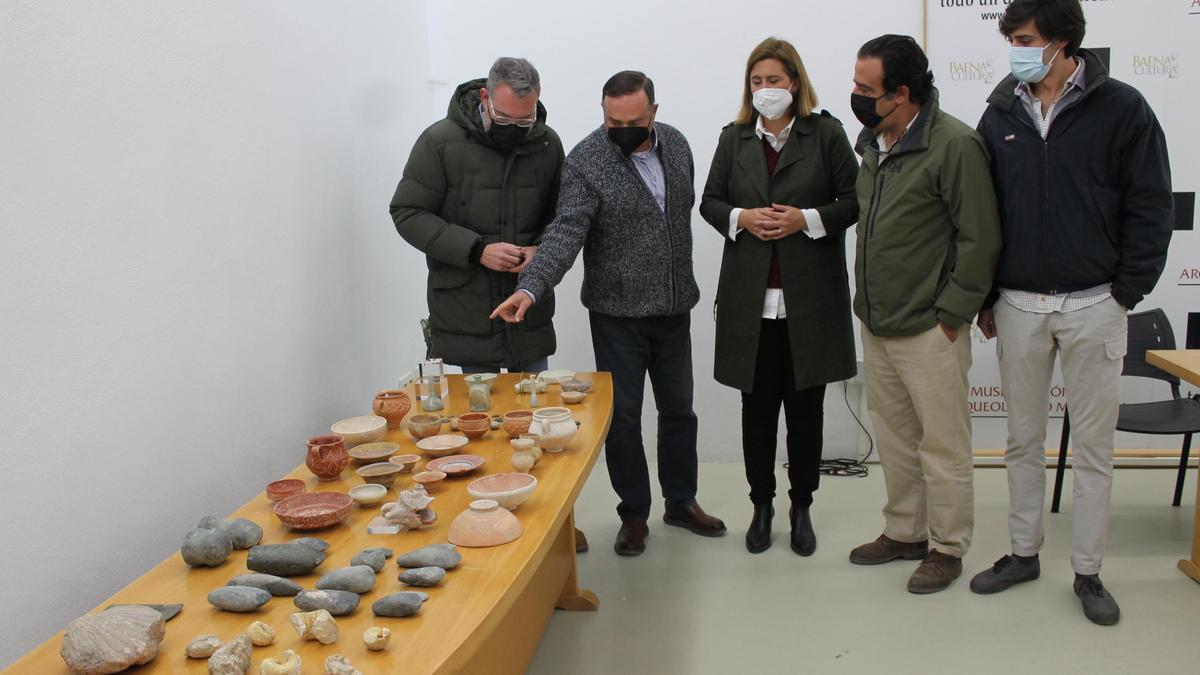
{"x": 871, "y": 215}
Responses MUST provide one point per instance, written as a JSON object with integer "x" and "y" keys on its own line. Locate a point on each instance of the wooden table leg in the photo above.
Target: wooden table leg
{"x": 1192, "y": 567}
{"x": 574, "y": 598}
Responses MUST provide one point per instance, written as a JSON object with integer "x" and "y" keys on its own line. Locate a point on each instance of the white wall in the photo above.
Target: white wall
{"x": 696, "y": 54}
{"x": 198, "y": 269}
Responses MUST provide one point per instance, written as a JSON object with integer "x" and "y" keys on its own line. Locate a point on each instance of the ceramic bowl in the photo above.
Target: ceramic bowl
{"x": 573, "y": 397}
{"x": 577, "y": 385}
{"x": 510, "y": 490}
{"x": 392, "y": 405}
{"x": 455, "y": 465}
{"x": 516, "y": 422}
{"x": 484, "y": 524}
{"x": 380, "y": 473}
{"x": 405, "y": 462}
{"x": 429, "y": 479}
{"x": 367, "y": 494}
{"x": 474, "y": 425}
{"x": 314, "y": 510}
{"x": 369, "y": 453}
{"x": 280, "y": 490}
{"x": 424, "y": 426}
{"x": 358, "y": 430}
{"x": 441, "y": 445}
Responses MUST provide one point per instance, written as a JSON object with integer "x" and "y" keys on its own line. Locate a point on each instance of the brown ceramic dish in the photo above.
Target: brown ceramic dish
{"x": 484, "y": 524}
{"x": 369, "y": 453}
{"x": 314, "y": 510}
{"x": 429, "y": 479}
{"x": 405, "y": 462}
{"x": 573, "y": 397}
{"x": 474, "y": 425}
{"x": 455, "y": 465}
{"x": 424, "y": 426}
{"x": 380, "y": 473}
{"x": 510, "y": 490}
{"x": 441, "y": 445}
{"x": 280, "y": 490}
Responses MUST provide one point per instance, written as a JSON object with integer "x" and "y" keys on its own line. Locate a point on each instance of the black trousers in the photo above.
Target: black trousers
{"x": 803, "y": 411}
{"x": 630, "y": 348}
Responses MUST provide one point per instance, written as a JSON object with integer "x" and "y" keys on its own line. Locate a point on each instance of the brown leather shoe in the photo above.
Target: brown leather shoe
{"x": 581, "y": 545}
{"x": 690, "y": 516}
{"x": 935, "y": 573}
{"x": 631, "y": 538}
{"x": 885, "y": 549}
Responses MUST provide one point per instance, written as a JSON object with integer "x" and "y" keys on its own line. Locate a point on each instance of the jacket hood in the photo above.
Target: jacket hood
{"x": 1094, "y": 75}
{"x": 464, "y": 111}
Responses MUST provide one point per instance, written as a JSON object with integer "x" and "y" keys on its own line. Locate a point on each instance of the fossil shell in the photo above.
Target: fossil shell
{"x": 233, "y": 658}
{"x": 340, "y": 665}
{"x": 316, "y": 625}
{"x": 203, "y": 646}
{"x": 289, "y": 666}
{"x": 376, "y": 638}
{"x": 113, "y": 640}
{"x": 260, "y": 634}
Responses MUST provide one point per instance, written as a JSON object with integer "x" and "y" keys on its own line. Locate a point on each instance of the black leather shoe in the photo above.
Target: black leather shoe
{"x": 631, "y": 538}
{"x": 804, "y": 540}
{"x": 758, "y": 537}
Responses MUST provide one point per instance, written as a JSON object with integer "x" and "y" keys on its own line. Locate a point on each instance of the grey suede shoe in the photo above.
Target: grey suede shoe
{"x": 1098, "y": 604}
{"x": 1008, "y": 571}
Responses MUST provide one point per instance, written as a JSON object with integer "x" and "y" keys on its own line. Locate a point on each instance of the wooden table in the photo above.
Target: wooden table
{"x": 1184, "y": 364}
{"x": 488, "y": 615}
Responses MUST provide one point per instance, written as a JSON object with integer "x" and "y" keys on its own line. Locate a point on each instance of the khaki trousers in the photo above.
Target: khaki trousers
{"x": 917, "y": 396}
{"x": 1091, "y": 344}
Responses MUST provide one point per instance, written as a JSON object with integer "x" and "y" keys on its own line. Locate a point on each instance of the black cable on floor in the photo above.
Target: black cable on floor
{"x": 856, "y": 468}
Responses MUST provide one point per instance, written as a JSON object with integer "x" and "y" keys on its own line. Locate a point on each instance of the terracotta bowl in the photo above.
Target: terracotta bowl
{"x": 405, "y": 462}
{"x": 455, "y": 465}
{"x": 484, "y": 524}
{"x": 577, "y": 385}
{"x": 369, "y": 453}
{"x": 474, "y": 425}
{"x": 441, "y": 445}
{"x": 429, "y": 479}
{"x": 314, "y": 510}
{"x": 380, "y": 473}
{"x": 424, "y": 426}
{"x": 510, "y": 490}
{"x": 392, "y": 405}
{"x": 573, "y": 397}
{"x": 358, "y": 430}
{"x": 516, "y": 422}
{"x": 280, "y": 490}
{"x": 367, "y": 494}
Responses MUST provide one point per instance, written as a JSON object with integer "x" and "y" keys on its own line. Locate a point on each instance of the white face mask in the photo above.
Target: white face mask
{"x": 772, "y": 103}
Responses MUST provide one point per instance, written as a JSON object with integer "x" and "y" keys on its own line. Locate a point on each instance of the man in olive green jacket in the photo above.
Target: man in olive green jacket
{"x": 478, "y": 189}
{"x": 928, "y": 242}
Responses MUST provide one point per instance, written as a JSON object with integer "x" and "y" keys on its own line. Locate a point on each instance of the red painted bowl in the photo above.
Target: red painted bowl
{"x": 314, "y": 510}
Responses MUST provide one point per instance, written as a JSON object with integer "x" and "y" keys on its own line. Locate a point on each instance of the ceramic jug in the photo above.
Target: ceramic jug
{"x": 327, "y": 457}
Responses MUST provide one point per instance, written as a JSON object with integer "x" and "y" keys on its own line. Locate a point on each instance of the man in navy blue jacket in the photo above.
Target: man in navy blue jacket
{"x": 1081, "y": 173}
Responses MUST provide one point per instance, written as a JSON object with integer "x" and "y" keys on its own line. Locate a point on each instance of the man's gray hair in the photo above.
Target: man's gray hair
{"x": 518, "y": 74}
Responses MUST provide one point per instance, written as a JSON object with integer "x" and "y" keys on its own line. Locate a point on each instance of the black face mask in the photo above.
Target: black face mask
{"x": 628, "y": 138}
{"x": 507, "y": 136}
{"x": 864, "y": 110}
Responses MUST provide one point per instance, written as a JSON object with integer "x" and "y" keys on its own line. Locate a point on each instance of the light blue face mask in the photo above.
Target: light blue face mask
{"x": 1026, "y": 63}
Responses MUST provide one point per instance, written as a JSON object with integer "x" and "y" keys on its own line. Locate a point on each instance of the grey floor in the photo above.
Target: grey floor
{"x": 695, "y": 605}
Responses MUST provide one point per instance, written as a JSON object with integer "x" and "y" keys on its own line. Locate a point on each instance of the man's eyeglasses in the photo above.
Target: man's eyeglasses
{"x": 508, "y": 121}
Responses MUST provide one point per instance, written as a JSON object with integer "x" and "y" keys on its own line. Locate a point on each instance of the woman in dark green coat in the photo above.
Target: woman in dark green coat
{"x": 781, "y": 193}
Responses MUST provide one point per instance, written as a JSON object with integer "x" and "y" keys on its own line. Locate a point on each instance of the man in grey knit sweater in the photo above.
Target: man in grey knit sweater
{"x": 626, "y": 199}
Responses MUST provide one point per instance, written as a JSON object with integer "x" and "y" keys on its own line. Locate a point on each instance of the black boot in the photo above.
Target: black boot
{"x": 804, "y": 540}
{"x": 758, "y": 537}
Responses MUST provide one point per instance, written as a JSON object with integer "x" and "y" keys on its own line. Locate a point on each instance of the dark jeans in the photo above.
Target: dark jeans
{"x": 803, "y": 411}
{"x": 629, "y": 348}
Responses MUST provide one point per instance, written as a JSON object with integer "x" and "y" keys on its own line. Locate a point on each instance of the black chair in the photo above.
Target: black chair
{"x": 1147, "y": 330}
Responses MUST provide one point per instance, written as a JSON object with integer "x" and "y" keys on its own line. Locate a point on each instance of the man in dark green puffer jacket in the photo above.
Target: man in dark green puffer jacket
{"x": 479, "y": 187}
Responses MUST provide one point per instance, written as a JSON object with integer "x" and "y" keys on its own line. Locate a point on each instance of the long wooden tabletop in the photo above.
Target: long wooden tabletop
{"x": 459, "y": 610}
{"x": 1182, "y": 363}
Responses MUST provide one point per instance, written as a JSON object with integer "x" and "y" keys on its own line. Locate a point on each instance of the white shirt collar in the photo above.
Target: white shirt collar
{"x": 883, "y": 147}
{"x": 777, "y": 142}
